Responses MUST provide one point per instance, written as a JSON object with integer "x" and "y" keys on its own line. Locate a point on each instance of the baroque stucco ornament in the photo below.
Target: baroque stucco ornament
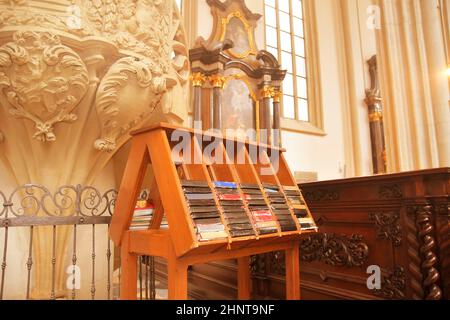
{"x": 117, "y": 115}
{"x": 42, "y": 80}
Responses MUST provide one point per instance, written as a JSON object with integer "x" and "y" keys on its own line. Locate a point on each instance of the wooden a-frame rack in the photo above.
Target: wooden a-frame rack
{"x": 179, "y": 244}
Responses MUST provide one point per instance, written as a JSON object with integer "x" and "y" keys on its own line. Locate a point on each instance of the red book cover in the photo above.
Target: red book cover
{"x": 262, "y": 215}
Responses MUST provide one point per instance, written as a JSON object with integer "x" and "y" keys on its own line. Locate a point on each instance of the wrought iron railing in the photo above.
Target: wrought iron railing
{"x": 34, "y": 206}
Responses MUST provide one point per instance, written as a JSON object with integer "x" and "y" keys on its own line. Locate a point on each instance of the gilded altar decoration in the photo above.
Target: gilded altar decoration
{"x": 198, "y": 79}
{"x": 42, "y": 80}
{"x": 236, "y": 28}
{"x": 267, "y": 92}
{"x": 217, "y": 81}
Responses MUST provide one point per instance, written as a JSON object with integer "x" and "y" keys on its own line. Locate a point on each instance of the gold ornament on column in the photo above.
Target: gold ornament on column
{"x": 198, "y": 79}
{"x": 217, "y": 81}
{"x": 276, "y": 95}
{"x": 267, "y": 92}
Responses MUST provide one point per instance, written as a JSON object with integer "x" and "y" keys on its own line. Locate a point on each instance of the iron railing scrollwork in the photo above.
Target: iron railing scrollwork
{"x": 33, "y": 206}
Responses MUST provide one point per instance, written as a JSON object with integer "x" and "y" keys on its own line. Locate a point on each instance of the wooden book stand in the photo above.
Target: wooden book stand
{"x": 179, "y": 244}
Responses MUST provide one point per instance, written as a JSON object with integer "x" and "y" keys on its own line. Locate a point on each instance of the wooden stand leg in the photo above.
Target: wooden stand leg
{"x": 244, "y": 279}
{"x": 128, "y": 284}
{"x": 292, "y": 273}
{"x": 177, "y": 277}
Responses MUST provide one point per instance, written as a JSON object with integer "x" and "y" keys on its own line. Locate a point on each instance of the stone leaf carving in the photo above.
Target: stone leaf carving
{"x": 140, "y": 26}
{"x": 129, "y": 92}
{"x": 42, "y": 80}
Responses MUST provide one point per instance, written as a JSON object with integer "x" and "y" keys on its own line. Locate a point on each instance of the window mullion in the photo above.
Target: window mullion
{"x": 277, "y": 10}
{"x": 294, "y": 60}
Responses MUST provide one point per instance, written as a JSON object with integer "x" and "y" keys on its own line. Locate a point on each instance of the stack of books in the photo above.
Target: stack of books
{"x": 232, "y": 204}
{"x": 143, "y": 215}
{"x": 203, "y": 210}
{"x": 297, "y": 203}
{"x": 280, "y": 207}
{"x": 264, "y": 221}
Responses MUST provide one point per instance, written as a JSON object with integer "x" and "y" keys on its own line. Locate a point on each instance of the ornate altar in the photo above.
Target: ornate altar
{"x": 235, "y": 85}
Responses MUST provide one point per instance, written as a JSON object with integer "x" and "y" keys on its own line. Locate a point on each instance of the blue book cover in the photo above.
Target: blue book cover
{"x": 221, "y": 184}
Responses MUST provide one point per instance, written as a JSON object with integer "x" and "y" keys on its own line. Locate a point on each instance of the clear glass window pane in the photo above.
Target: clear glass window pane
{"x": 270, "y": 3}
{"x": 284, "y": 34}
{"x": 288, "y": 85}
{"x": 299, "y": 46}
{"x": 286, "y": 41}
{"x": 271, "y": 16}
{"x": 301, "y": 66}
{"x": 302, "y": 88}
{"x": 284, "y": 5}
{"x": 297, "y": 8}
{"x": 286, "y": 61}
{"x": 271, "y": 37}
{"x": 285, "y": 22}
{"x": 303, "y": 110}
{"x": 298, "y": 28}
{"x": 288, "y": 107}
{"x": 273, "y": 51}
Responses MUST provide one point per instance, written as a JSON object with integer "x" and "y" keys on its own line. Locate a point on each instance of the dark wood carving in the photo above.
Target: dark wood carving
{"x": 322, "y": 195}
{"x": 413, "y": 255}
{"x": 393, "y": 285}
{"x": 387, "y": 226}
{"x": 428, "y": 254}
{"x": 390, "y": 192}
{"x": 342, "y": 251}
{"x": 444, "y": 246}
